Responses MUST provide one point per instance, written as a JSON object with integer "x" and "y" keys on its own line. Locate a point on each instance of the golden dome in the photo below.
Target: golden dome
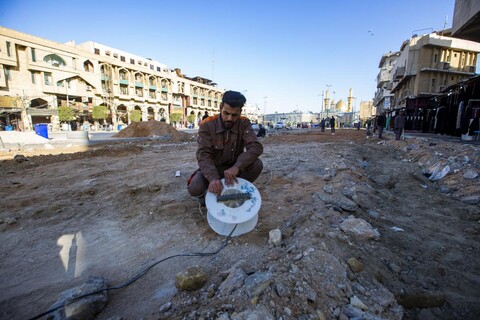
{"x": 341, "y": 106}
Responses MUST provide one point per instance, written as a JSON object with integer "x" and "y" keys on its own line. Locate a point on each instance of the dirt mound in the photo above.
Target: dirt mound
{"x": 152, "y": 128}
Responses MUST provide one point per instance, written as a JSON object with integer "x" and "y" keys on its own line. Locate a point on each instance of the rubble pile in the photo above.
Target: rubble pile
{"x": 153, "y": 128}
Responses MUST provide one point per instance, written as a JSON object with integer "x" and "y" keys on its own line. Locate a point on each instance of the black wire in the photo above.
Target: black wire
{"x": 138, "y": 276}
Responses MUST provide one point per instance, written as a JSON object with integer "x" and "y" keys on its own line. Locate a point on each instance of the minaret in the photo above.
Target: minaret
{"x": 327, "y": 100}
{"x": 349, "y": 101}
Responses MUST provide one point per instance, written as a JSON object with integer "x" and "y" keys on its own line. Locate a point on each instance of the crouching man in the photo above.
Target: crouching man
{"x": 227, "y": 148}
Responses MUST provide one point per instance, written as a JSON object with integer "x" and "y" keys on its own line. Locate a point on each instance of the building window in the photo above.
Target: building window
{"x": 7, "y": 73}
{"x": 32, "y": 51}
{"x": 9, "y": 49}
{"x": 107, "y": 53}
{"x": 139, "y": 92}
{"x": 60, "y": 84}
{"x": 152, "y": 67}
{"x": 152, "y": 94}
{"x": 433, "y": 83}
{"x": 74, "y": 63}
{"x": 47, "y": 76}
{"x": 96, "y": 50}
{"x": 132, "y": 61}
{"x": 159, "y": 69}
{"x": 34, "y": 80}
{"x": 54, "y": 60}
{"x": 123, "y": 75}
{"x": 124, "y": 90}
{"x": 122, "y": 58}
{"x": 435, "y": 58}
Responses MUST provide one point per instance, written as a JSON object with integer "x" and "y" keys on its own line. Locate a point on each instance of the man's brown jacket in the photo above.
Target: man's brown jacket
{"x": 218, "y": 147}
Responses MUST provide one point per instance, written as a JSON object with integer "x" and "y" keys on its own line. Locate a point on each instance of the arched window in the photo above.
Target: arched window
{"x": 54, "y": 60}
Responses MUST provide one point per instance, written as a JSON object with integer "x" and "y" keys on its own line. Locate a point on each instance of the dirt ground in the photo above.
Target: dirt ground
{"x": 115, "y": 209}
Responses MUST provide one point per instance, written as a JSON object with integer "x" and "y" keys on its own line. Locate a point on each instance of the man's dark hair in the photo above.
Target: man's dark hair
{"x": 234, "y": 99}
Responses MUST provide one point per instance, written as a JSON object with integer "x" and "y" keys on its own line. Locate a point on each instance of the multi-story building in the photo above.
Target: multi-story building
{"x": 367, "y": 110}
{"x": 291, "y": 118}
{"x": 38, "y": 75}
{"x": 428, "y": 64}
{"x": 383, "y": 96}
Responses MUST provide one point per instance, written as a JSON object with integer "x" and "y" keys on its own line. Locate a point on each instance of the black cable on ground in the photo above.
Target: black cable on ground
{"x": 138, "y": 276}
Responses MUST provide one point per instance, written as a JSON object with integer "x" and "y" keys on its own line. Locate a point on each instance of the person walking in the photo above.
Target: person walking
{"x": 332, "y": 124}
{"x": 227, "y": 148}
{"x": 399, "y": 124}
{"x": 381, "y": 122}
{"x": 322, "y": 125}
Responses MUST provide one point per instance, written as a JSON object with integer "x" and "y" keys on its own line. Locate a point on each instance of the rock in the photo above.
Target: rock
{"x": 384, "y": 297}
{"x": 348, "y": 192}
{"x": 357, "y": 303}
{"x": 84, "y": 308}
{"x": 275, "y": 237}
{"x": 256, "y": 283}
{"x": 381, "y": 179}
{"x": 211, "y": 291}
{"x": 12, "y": 220}
{"x": 328, "y": 189}
{"x": 320, "y": 315}
{"x": 258, "y": 313}
{"x": 281, "y": 289}
{"x": 165, "y": 307}
{"x": 337, "y": 200}
{"x": 471, "y": 199}
{"x": 19, "y": 158}
{"x": 394, "y": 268}
{"x": 233, "y": 281}
{"x": 470, "y": 174}
{"x": 191, "y": 279}
{"x": 355, "y": 265}
{"x": 359, "y": 229}
{"x": 297, "y": 257}
{"x": 373, "y": 214}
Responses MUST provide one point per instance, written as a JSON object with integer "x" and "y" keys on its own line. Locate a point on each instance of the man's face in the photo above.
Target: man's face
{"x": 229, "y": 115}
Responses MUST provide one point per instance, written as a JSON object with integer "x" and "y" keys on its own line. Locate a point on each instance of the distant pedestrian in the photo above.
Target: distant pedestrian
{"x": 381, "y": 122}
{"x": 205, "y": 116}
{"x": 261, "y": 131}
{"x": 399, "y": 124}
{"x": 322, "y": 125}
{"x": 332, "y": 124}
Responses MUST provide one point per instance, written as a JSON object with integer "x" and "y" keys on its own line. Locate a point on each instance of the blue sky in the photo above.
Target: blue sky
{"x": 287, "y": 51}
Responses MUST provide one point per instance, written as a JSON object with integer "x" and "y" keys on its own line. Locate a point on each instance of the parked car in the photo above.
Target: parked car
{"x": 279, "y": 125}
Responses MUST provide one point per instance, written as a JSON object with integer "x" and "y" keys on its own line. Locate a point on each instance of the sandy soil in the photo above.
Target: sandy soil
{"x": 114, "y": 209}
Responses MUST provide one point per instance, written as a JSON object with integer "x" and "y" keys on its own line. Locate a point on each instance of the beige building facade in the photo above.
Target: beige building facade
{"x": 38, "y": 75}
{"x": 430, "y": 63}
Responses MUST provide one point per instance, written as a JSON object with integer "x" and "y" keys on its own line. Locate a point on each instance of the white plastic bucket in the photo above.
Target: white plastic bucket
{"x": 224, "y": 216}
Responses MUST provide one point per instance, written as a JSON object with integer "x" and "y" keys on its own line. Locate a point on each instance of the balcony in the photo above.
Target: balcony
{"x": 138, "y": 84}
{"x": 399, "y": 73}
{"x": 124, "y": 81}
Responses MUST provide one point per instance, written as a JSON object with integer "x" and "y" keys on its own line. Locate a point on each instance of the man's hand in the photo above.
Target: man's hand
{"x": 231, "y": 176}
{"x": 215, "y": 186}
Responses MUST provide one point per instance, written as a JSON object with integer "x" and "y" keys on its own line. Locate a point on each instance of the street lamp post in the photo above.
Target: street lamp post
{"x": 264, "y": 109}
